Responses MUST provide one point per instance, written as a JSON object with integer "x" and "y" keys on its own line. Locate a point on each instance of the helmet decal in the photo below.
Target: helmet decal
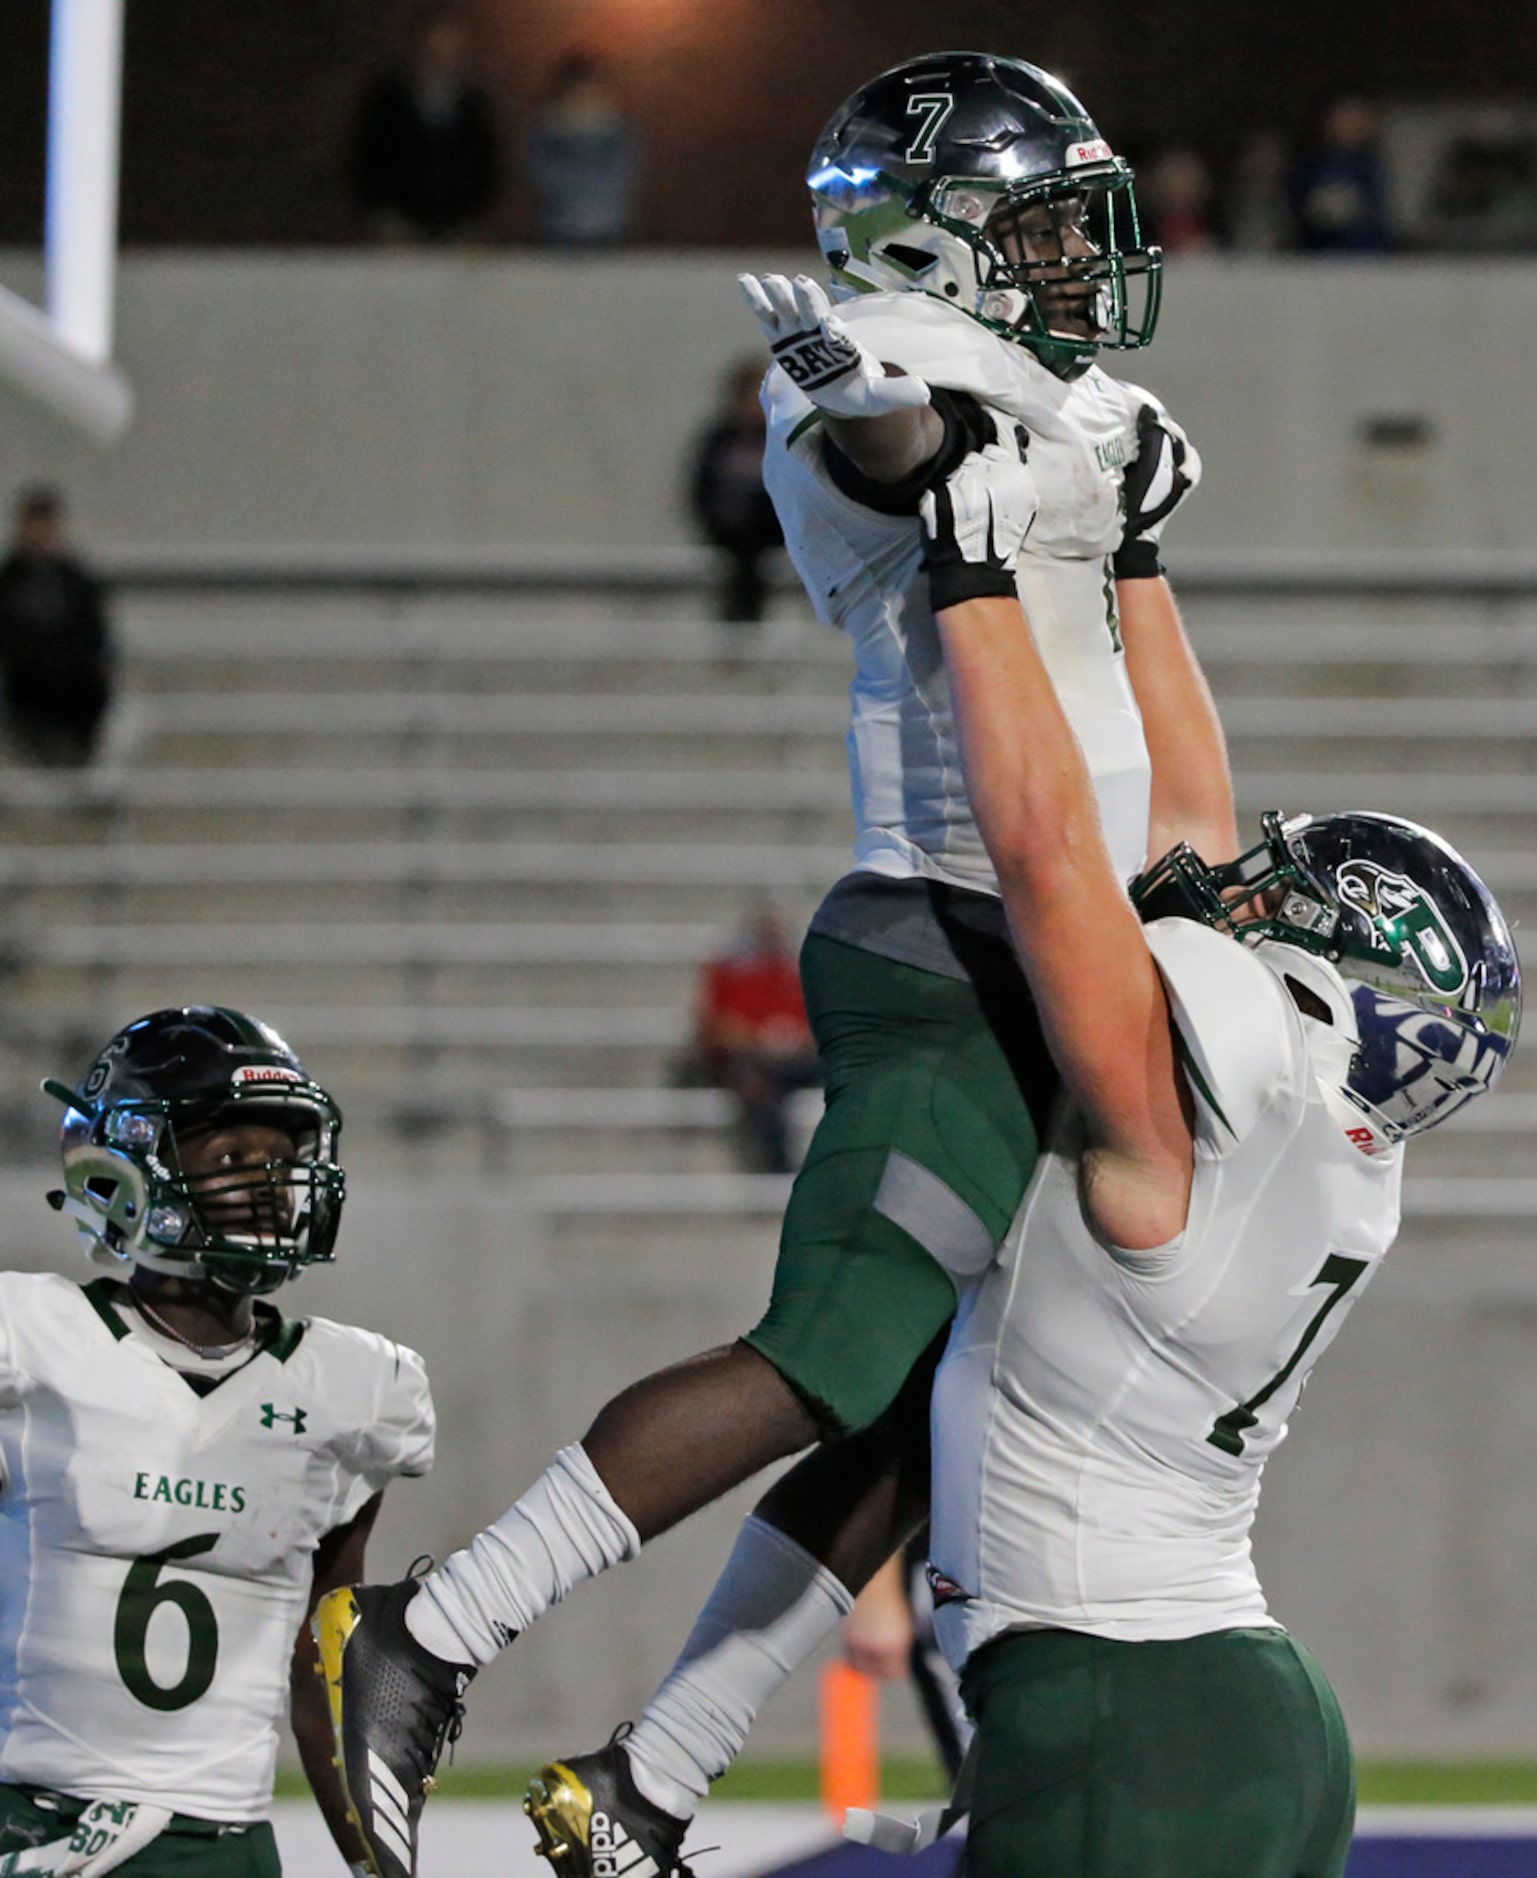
{"x": 264, "y": 1073}
{"x": 1403, "y": 920}
{"x": 100, "y": 1073}
{"x": 1413, "y": 936}
{"x": 933, "y": 107}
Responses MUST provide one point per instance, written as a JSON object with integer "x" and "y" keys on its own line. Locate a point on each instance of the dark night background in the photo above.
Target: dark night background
{"x": 235, "y": 111}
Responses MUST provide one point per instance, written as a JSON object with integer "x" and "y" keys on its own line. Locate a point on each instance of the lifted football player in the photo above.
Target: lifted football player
{"x": 1241, "y": 1066}
{"x": 169, "y": 1442}
{"x": 983, "y": 237}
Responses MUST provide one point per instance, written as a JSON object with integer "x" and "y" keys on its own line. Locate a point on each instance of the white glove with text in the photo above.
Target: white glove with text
{"x": 820, "y": 355}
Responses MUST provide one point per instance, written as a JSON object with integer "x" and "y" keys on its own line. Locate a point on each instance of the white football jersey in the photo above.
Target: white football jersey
{"x": 1102, "y": 1417}
{"x": 156, "y": 1545}
{"x": 861, "y": 571}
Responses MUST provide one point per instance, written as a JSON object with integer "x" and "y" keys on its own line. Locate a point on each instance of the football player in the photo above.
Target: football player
{"x": 185, "y": 1469}
{"x": 1243, "y": 1054}
{"x": 982, "y": 239}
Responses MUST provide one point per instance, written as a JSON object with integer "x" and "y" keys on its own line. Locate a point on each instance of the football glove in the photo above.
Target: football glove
{"x": 886, "y": 1833}
{"x": 974, "y": 524}
{"x": 819, "y": 354}
{"x": 106, "y": 1835}
{"x": 1155, "y": 482}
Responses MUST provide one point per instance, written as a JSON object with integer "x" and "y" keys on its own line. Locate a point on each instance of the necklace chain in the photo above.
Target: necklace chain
{"x": 197, "y": 1349}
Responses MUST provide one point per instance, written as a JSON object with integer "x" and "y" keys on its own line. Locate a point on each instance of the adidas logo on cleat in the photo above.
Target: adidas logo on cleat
{"x": 608, "y": 1842}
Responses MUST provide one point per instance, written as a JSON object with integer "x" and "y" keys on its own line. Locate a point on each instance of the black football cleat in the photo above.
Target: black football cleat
{"x": 394, "y": 1706}
{"x": 594, "y": 1823}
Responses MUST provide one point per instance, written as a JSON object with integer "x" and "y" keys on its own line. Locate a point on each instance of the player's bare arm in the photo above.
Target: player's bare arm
{"x": 1192, "y": 793}
{"x": 1192, "y": 797}
{"x": 878, "y": 1632}
{"x": 878, "y": 416}
{"x": 1101, "y": 999}
{"x": 339, "y": 1560}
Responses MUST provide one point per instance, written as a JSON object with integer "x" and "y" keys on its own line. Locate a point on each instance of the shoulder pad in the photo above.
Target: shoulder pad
{"x": 1240, "y": 1038}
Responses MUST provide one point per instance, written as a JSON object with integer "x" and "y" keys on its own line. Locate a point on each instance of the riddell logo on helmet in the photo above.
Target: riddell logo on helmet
{"x": 263, "y": 1073}
{"x": 1097, "y": 152}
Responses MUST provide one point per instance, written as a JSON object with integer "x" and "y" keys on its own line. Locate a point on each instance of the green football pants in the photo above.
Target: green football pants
{"x": 937, "y": 1092}
{"x": 188, "y": 1848}
{"x": 1223, "y": 1756}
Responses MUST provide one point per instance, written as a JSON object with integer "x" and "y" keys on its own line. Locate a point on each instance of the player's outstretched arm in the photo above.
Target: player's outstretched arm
{"x": 338, "y": 1561}
{"x": 1079, "y": 940}
{"x": 878, "y": 416}
{"x": 1192, "y": 786}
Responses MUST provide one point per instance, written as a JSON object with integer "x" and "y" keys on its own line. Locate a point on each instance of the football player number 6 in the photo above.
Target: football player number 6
{"x": 142, "y": 1597}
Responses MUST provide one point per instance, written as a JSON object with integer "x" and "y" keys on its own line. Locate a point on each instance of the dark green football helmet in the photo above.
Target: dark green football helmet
{"x": 160, "y": 1081}
{"x": 983, "y": 182}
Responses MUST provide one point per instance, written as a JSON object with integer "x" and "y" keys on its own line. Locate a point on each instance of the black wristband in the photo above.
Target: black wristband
{"x": 954, "y": 581}
{"x": 1137, "y": 560}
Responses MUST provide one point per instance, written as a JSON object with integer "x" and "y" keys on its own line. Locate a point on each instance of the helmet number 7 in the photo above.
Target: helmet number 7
{"x": 933, "y": 107}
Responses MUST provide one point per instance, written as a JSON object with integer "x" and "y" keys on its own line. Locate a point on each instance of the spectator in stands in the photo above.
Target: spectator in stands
{"x": 582, "y": 155}
{"x": 1258, "y": 219}
{"x": 1338, "y": 183}
{"x": 727, "y": 495}
{"x": 1483, "y": 193}
{"x": 1177, "y": 192}
{"x": 425, "y": 159}
{"x": 56, "y": 651}
{"x": 751, "y": 1036}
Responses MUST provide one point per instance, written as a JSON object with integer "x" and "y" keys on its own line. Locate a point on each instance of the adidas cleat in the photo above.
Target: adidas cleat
{"x": 394, "y": 1706}
{"x": 594, "y": 1823}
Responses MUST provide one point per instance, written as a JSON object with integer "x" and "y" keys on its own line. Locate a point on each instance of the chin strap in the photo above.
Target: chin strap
{"x": 107, "y": 1833}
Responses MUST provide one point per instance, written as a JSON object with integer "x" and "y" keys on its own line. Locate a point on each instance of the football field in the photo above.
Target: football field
{"x": 461, "y": 1838}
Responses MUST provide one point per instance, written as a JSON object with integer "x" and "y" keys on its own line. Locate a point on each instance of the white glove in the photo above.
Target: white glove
{"x": 818, "y": 352}
{"x": 886, "y": 1833}
{"x": 974, "y": 524}
{"x": 106, "y": 1834}
{"x": 362, "y": 1869}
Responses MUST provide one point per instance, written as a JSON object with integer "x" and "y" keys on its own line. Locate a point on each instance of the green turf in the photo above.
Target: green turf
{"x": 1382, "y": 1783}
{"x": 1432, "y": 1783}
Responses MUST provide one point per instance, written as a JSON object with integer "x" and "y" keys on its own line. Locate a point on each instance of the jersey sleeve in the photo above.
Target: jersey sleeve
{"x": 1139, "y": 557}
{"x": 26, "y": 1298}
{"x": 389, "y": 1426}
{"x": 1239, "y": 1038}
{"x": 843, "y": 551}
{"x": 403, "y": 1437}
{"x": 967, "y": 428}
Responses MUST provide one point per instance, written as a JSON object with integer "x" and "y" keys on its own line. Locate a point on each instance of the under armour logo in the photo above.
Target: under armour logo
{"x": 272, "y": 1415}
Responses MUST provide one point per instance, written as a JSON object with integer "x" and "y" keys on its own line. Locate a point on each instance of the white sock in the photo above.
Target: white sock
{"x": 771, "y": 1607}
{"x": 567, "y": 1527}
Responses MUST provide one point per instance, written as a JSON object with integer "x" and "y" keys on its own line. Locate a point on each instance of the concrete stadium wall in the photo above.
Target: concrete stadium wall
{"x": 1397, "y": 1534}
{"x": 478, "y": 402}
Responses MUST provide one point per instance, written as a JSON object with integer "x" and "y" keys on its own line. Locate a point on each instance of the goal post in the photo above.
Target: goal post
{"x": 96, "y": 399}
{"x": 61, "y": 355}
